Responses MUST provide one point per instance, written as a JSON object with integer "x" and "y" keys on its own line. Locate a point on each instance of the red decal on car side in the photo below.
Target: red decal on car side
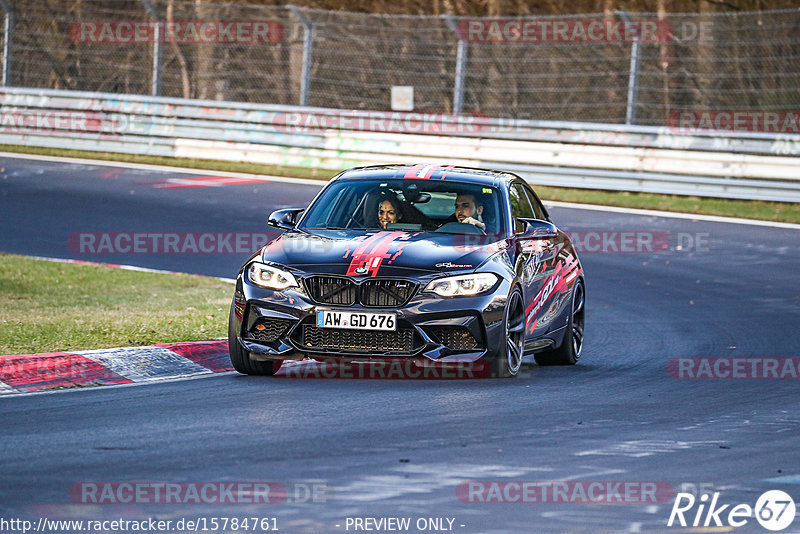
{"x": 554, "y": 283}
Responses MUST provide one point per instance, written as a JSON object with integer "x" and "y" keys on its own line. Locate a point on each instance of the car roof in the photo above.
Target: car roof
{"x": 429, "y": 171}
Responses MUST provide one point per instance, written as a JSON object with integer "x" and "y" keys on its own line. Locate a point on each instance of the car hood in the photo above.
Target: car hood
{"x": 380, "y": 253}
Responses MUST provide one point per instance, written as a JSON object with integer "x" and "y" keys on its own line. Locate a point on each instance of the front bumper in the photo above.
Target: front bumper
{"x": 282, "y": 325}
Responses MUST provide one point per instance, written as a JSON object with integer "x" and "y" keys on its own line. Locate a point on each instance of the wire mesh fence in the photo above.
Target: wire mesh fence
{"x": 572, "y": 68}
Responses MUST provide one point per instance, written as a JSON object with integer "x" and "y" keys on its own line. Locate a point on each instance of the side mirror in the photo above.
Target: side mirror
{"x": 537, "y": 229}
{"x": 284, "y": 219}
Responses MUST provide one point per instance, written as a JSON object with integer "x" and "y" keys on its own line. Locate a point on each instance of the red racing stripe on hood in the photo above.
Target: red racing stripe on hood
{"x": 369, "y": 255}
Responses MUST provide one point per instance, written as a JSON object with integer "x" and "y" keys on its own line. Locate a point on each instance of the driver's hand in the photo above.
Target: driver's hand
{"x": 474, "y": 222}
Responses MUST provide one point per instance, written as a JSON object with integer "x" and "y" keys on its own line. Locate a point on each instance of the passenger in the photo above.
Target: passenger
{"x": 389, "y": 211}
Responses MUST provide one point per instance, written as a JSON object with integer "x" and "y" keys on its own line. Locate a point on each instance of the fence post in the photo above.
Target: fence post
{"x": 461, "y": 66}
{"x": 308, "y": 43}
{"x": 633, "y": 75}
{"x": 156, "y": 76}
{"x": 8, "y": 32}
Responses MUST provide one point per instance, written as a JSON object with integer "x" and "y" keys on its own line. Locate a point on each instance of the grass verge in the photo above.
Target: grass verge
{"x": 52, "y": 307}
{"x": 748, "y": 209}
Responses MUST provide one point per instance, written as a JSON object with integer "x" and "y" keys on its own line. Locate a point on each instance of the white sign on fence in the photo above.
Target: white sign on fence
{"x": 402, "y": 98}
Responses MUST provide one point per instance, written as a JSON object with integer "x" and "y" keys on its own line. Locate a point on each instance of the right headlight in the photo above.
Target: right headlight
{"x": 270, "y": 277}
{"x": 466, "y": 285}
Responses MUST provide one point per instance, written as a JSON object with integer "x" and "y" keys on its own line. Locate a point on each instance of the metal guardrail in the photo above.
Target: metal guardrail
{"x": 585, "y": 155}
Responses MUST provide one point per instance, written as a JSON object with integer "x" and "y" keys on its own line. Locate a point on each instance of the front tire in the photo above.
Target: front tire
{"x": 570, "y": 350}
{"x": 240, "y": 359}
{"x": 509, "y": 358}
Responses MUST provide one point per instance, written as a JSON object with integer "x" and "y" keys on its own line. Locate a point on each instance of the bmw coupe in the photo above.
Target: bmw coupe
{"x": 439, "y": 264}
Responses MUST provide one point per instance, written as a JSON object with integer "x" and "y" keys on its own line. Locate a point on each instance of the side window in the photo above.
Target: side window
{"x": 538, "y": 208}
{"x": 520, "y": 207}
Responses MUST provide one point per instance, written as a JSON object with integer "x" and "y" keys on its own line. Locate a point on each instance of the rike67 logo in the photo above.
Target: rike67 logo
{"x": 774, "y": 510}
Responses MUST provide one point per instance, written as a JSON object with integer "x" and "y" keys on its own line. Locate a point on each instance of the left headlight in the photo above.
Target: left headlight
{"x": 462, "y": 286}
{"x": 270, "y": 277}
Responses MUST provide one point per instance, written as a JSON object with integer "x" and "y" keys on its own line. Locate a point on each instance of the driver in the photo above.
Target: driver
{"x": 468, "y": 209}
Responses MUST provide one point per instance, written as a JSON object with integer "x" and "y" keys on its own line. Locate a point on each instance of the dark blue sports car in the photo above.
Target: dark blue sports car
{"x": 424, "y": 262}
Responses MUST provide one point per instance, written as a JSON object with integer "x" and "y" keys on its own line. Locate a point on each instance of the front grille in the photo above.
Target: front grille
{"x": 269, "y": 329}
{"x": 345, "y": 292}
{"x": 331, "y": 290}
{"x": 455, "y": 337}
{"x": 340, "y": 339}
{"x": 386, "y": 292}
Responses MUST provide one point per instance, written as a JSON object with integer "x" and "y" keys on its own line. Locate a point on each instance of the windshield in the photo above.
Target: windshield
{"x": 409, "y": 205}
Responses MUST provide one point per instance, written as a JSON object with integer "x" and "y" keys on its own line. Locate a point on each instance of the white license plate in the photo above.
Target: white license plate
{"x": 357, "y": 320}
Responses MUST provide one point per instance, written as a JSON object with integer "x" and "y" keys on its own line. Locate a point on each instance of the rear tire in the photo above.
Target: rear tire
{"x": 509, "y": 358}
{"x": 240, "y": 358}
{"x": 570, "y": 350}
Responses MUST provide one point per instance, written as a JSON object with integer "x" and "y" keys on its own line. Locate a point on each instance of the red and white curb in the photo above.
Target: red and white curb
{"x": 36, "y": 373}
{"x": 24, "y": 373}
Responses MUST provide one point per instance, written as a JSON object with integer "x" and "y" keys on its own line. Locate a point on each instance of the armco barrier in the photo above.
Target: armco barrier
{"x": 599, "y": 156}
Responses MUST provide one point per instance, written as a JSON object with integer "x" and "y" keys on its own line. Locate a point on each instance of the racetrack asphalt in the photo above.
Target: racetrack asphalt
{"x": 401, "y": 448}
